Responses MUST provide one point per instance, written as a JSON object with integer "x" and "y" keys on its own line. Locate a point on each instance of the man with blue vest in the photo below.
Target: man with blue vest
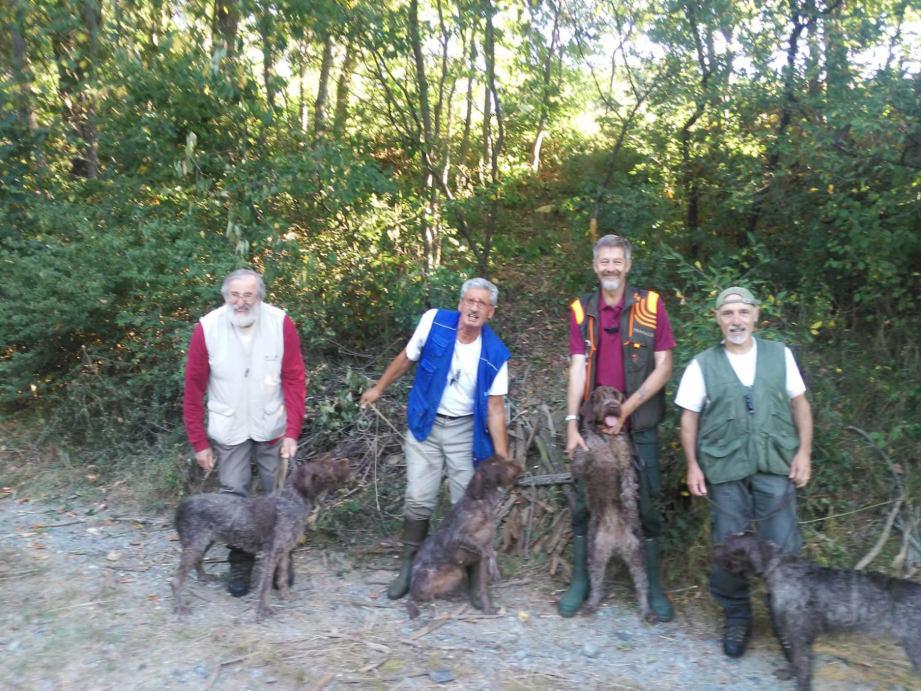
{"x": 620, "y": 336}
{"x": 456, "y": 410}
{"x": 245, "y": 357}
{"x": 746, "y": 431}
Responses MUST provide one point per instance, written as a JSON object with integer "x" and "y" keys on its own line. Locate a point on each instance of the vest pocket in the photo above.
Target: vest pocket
{"x": 220, "y": 421}
{"x": 781, "y": 443}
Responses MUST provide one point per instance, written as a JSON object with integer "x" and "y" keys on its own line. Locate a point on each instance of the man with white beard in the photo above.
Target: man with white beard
{"x": 246, "y": 357}
{"x": 620, "y": 336}
{"x": 746, "y": 431}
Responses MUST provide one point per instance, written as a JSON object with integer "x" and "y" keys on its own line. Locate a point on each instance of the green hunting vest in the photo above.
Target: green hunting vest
{"x": 638, "y": 331}
{"x": 745, "y": 430}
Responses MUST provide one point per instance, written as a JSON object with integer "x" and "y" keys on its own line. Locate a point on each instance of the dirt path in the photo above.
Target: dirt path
{"x": 85, "y": 604}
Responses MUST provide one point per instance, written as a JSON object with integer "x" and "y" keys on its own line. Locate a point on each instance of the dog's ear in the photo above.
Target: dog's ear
{"x": 477, "y": 482}
{"x": 587, "y": 411}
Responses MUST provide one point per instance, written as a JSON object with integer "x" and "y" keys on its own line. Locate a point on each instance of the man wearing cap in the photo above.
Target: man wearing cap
{"x": 746, "y": 431}
{"x": 620, "y": 336}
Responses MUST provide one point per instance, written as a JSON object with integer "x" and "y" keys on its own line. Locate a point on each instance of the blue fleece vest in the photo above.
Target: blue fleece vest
{"x": 432, "y": 377}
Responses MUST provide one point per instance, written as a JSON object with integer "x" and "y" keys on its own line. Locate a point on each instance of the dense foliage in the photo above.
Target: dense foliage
{"x": 365, "y": 155}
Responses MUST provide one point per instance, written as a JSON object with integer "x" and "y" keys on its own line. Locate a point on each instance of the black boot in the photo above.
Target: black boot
{"x": 241, "y": 570}
{"x": 738, "y": 629}
{"x": 658, "y": 600}
{"x": 577, "y": 593}
{"x": 414, "y": 532}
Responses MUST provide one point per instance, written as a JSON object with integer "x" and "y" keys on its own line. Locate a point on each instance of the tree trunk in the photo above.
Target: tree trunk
{"x": 22, "y": 74}
{"x": 266, "y": 35}
{"x": 319, "y": 106}
{"x": 343, "y": 88}
{"x": 545, "y": 91}
{"x": 429, "y": 221}
{"x": 224, "y": 27}
{"x": 75, "y": 48}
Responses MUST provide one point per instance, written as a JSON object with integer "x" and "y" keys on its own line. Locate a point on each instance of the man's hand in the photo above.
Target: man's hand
{"x": 697, "y": 484}
{"x": 369, "y": 397}
{"x": 574, "y": 439}
{"x": 205, "y": 459}
{"x": 801, "y": 469}
{"x": 288, "y": 448}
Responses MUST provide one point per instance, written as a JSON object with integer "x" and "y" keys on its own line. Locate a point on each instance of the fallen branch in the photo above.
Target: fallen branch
{"x": 883, "y": 537}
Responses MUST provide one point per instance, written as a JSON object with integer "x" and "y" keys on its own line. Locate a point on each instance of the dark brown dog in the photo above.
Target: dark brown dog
{"x": 270, "y": 524}
{"x": 463, "y": 541}
{"x": 607, "y": 472}
{"x": 808, "y": 599}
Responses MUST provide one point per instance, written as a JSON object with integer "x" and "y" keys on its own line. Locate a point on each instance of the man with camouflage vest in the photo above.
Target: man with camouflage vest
{"x": 746, "y": 431}
{"x": 620, "y": 336}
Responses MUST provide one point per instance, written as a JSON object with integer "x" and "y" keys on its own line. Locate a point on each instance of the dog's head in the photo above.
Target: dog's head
{"x": 603, "y": 407}
{"x": 745, "y": 554}
{"x": 325, "y": 472}
{"x": 494, "y": 472}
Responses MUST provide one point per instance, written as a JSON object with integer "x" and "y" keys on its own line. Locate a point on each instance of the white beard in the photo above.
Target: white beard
{"x": 610, "y": 284}
{"x": 737, "y": 337}
{"x": 246, "y": 319}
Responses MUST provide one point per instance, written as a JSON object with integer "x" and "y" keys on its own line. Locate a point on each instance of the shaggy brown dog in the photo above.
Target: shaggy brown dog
{"x": 463, "y": 541}
{"x": 270, "y": 524}
{"x": 607, "y": 472}
{"x": 807, "y": 599}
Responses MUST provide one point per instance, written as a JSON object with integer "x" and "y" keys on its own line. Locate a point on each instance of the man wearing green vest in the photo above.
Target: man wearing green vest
{"x": 746, "y": 431}
{"x": 620, "y": 336}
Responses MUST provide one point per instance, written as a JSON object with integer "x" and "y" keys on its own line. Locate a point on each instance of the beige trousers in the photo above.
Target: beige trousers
{"x": 448, "y": 449}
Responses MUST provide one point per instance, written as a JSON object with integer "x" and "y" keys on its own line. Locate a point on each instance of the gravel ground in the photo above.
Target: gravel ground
{"x": 85, "y": 604}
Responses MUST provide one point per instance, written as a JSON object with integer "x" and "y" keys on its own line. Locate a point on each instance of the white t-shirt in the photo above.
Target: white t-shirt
{"x": 692, "y": 391}
{"x": 460, "y": 389}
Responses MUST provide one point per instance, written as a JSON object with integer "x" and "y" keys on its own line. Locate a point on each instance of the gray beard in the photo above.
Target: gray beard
{"x": 244, "y": 320}
{"x": 610, "y": 284}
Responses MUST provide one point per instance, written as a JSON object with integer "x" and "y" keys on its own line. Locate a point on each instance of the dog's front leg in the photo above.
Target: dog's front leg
{"x": 270, "y": 561}
{"x": 481, "y": 592}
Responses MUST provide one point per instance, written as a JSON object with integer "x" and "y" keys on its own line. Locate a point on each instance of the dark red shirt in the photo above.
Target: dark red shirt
{"x": 609, "y": 370}
{"x": 197, "y": 371}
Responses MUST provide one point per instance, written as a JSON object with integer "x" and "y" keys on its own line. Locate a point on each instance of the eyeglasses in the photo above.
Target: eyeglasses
{"x": 476, "y": 302}
{"x": 242, "y": 296}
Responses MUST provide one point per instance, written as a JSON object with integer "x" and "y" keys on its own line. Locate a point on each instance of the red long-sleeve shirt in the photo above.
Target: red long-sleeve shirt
{"x": 197, "y": 371}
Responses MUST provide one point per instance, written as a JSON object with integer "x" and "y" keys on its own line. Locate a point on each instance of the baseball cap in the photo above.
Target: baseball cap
{"x": 736, "y": 294}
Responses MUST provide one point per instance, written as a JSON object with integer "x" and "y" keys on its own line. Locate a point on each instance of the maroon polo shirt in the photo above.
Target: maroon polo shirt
{"x": 610, "y": 367}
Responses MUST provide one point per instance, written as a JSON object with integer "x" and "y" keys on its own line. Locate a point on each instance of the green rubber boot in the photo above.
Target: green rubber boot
{"x": 577, "y": 593}
{"x": 414, "y": 532}
{"x": 658, "y": 601}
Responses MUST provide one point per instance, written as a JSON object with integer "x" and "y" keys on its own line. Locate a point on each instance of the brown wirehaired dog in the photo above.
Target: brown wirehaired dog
{"x": 808, "y": 599}
{"x": 270, "y": 524}
{"x": 463, "y": 541}
{"x": 607, "y": 472}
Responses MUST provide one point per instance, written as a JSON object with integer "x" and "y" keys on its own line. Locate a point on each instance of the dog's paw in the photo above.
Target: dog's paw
{"x": 588, "y": 610}
{"x": 263, "y": 613}
{"x": 650, "y": 617}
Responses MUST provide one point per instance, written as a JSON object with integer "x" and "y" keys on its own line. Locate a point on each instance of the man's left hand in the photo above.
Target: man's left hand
{"x": 800, "y": 469}
{"x": 288, "y": 447}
